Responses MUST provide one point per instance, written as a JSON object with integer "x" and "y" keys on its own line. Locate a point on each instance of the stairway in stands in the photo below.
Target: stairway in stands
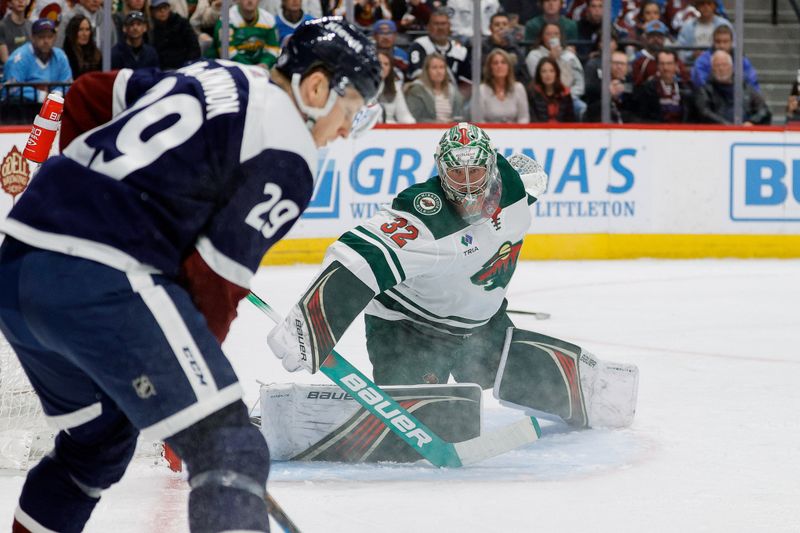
{"x": 774, "y": 50}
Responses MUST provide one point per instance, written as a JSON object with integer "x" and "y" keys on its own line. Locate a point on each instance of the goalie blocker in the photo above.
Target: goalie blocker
{"x": 547, "y": 376}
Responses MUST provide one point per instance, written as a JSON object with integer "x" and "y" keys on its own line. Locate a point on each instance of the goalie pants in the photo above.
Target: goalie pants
{"x": 406, "y": 353}
{"x": 109, "y": 354}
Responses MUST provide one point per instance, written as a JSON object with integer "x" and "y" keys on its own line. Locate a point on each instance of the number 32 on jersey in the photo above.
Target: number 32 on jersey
{"x": 400, "y": 231}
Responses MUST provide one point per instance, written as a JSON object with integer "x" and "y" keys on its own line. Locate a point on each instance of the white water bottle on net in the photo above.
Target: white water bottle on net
{"x": 24, "y": 434}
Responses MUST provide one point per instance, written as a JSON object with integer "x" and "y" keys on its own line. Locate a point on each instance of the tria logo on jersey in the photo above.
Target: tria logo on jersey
{"x": 765, "y": 182}
{"x": 497, "y": 271}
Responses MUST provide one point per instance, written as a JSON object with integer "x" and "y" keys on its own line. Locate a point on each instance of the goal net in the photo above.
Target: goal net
{"x": 25, "y": 436}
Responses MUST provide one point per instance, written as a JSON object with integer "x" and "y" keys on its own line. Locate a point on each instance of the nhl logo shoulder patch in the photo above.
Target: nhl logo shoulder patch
{"x": 427, "y": 203}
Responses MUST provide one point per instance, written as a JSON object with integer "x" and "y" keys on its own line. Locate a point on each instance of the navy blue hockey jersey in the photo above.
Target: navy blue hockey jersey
{"x": 211, "y": 157}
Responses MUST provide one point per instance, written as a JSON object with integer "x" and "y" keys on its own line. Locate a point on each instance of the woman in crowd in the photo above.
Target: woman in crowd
{"x": 551, "y": 45}
{"x": 434, "y": 97}
{"x": 549, "y": 99}
{"x": 631, "y": 25}
{"x": 81, "y": 50}
{"x": 395, "y": 110}
{"x": 502, "y": 97}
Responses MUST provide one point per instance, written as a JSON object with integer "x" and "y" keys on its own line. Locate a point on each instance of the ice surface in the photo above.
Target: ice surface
{"x": 715, "y": 445}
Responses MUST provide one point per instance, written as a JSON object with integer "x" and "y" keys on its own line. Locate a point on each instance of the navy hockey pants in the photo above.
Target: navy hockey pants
{"x": 110, "y": 354}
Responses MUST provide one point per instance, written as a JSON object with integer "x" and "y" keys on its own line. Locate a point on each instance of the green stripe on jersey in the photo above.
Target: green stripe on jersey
{"x": 409, "y": 302}
{"x": 392, "y": 254}
{"x": 392, "y": 304}
{"x": 374, "y": 258}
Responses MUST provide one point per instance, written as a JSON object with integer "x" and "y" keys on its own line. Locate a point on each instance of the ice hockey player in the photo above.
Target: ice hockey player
{"x": 118, "y": 251}
{"x": 431, "y": 274}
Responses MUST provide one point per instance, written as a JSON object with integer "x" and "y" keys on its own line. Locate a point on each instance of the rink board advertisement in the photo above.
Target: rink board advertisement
{"x": 613, "y": 193}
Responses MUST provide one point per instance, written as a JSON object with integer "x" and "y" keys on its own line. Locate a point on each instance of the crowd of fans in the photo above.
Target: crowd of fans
{"x": 671, "y": 60}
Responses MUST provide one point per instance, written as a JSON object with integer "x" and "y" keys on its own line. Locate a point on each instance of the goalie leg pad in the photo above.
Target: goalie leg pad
{"x": 552, "y": 376}
{"x": 228, "y": 463}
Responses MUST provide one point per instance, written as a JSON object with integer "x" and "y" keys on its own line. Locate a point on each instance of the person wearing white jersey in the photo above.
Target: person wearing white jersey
{"x": 431, "y": 273}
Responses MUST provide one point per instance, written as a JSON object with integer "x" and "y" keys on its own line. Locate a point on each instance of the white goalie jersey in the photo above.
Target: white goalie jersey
{"x": 427, "y": 265}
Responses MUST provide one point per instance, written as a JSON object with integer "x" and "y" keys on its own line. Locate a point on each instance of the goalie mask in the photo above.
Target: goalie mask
{"x": 467, "y": 165}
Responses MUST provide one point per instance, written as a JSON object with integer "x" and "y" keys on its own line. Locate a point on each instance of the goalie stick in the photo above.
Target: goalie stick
{"x": 413, "y": 432}
{"x": 535, "y": 314}
{"x": 277, "y": 514}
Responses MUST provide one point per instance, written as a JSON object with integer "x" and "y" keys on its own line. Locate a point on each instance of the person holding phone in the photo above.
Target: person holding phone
{"x": 552, "y": 45}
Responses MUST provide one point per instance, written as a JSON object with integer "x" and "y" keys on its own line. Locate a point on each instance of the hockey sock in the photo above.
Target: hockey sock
{"x": 52, "y": 499}
{"x": 228, "y": 463}
{"x": 62, "y": 490}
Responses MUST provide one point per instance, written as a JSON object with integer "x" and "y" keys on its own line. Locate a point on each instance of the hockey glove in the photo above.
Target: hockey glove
{"x": 290, "y": 342}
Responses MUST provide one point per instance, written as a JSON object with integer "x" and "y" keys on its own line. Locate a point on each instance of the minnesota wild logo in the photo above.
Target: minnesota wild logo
{"x": 497, "y": 271}
{"x": 427, "y": 203}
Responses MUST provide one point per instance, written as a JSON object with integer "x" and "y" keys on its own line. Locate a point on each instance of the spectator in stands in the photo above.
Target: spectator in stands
{"x": 502, "y": 97}
{"x": 132, "y": 52}
{"x": 502, "y": 37}
{"x": 644, "y": 65}
{"x": 129, "y": 6}
{"x": 571, "y": 70}
{"x": 385, "y": 34}
{"x": 37, "y": 61}
{"x": 310, "y": 7}
{"x": 589, "y": 29}
{"x": 367, "y": 12}
{"x": 15, "y": 29}
{"x": 723, "y": 40}
{"x": 632, "y": 24}
{"x": 699, "y": 32}
{"x": 438, "y": 40}
{"x": 92, "y": 10}
{"x": 411, "y": 14}
{"x": 551, "y": 13}
{"x": 253, "y": 36}
{"x": 593, "y": 68}
{"x": 549, "y": 100}
{"x": 461, "y": 17}
{"x": 81, "y": 50}
{"x": 793, "y": 105}
{"x": 623, "y": 104}
{"x": 395, "y": 110}
{"x": 516, "y": 29}
{"x": 181, "y": 7}
{"x": 679, "y": 12}
{"x": 173, "y": 36}
{"x": 714, "y": 100}
{"x": 524, "y": 9}
{"x": 664, "y": 98}
{"x": 434, "y": 97}
{"x": 204, "y": 18}
{"x": 289, "y": 18}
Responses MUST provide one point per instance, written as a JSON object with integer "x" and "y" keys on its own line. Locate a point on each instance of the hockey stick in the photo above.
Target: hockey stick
{"x": 416, "y": 434}
{"x": 277, "y": 514}
{"x": 537, "y": 315}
